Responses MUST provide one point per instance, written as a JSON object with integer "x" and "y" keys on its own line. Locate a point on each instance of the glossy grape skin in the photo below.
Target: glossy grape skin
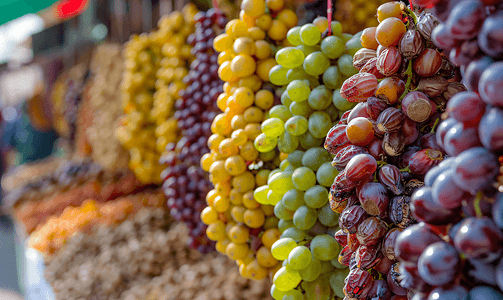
{"x": 360, "y": 131}
{"x": 466, "y": 107}
{"x": 489, "y": 37}
{"x": 425, "y": 209}
{"x": 474, "y": 169}
{"x": 427, "y": 63}
{"x": 499, "y": 274}
{"x": 360, "y": 110}
{"x": 465, "y": 19}
{"x": 455, "y": 292}
{"x": 411, "y": 280}
{"x": 460, "y": 138}
{"x": 423, "y": 160}
{"x": 371, "y": 231}
{"x": 442, "y": 38}
{"x": 360, "y": 166}
{"x": 351, "y": 218}
{"x": 374, "y": 199}
{"x": 411, "y": 242}
{"x": 447, "y": 193}
{"x": 491, "y": 130}
{"x": 442, "y": 130}
{"x": 473, "y": 72}
{"x": 490, "y": 83}
{"x": 479, "y": 239}
{"x": 388, "y": 244}
{"x": 485, "y": 293}
{"x": 438, "y": 264}
{"x": 345, "y": 154}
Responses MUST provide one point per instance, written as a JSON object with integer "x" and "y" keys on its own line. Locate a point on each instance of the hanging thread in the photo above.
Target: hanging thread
{"x": 215, "y": 6}
{"x": 329, "y": 16}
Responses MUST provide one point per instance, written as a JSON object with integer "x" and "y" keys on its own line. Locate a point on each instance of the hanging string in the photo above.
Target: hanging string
{"x": 215, "y": 6}
{"x": 329, "y": 16}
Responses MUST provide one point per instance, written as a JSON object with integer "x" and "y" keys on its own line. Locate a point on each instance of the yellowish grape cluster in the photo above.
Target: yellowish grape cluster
{"x": 244, "y": 229}
{"x": 155, "y": 65}
{"x": 356, "y": 15}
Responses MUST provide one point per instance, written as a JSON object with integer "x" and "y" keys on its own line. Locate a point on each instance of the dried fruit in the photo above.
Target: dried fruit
{"x": 342, "y": 157}
{"x": 417, "y": 106}
{"x": 391, "y": 177}
{"x": 388, "y": 245}
{"x": 391, "y": 119}
{"x": 375, "y": 107}
{"x": 389, "y": 61}
{"x": 362, "y": 56}
{"x": 393, "y": 143}
{"x": 351, "y": 218}
{"x": 336, "y": 137}
{"x": 390, "y": 89}
{"x": 374, "y": 199}
{"x": 371, "y": 231}
{"x": 368, "y": 256}
{"x": 359, "y": 87}
{"x": 357, "y": 284}
{"x": 427, "y": 63}
{"x": 399, "y": 211}
{"x": 424, "y": 160}
{"x": 371, "y": 68}
{"x": 425, "y": 25}
{"x": 452, "y": 89}
{"x": 433, "y": 86}
{"x": 411, "y": 44}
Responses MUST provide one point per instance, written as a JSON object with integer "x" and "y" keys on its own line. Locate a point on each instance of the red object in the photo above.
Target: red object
{"x": 329, "y": 16}
{"x": 70, "y": 8}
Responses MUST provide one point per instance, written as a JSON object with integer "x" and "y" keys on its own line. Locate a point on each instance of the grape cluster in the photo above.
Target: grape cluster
{"x": 455, "y": 252}
{"x": 384, "y": 146}
{"x": 236, "y": 221}
{"x": 357, "y": 15}
{"x": 186, "y": 185}
{"x": 155, "y": 65}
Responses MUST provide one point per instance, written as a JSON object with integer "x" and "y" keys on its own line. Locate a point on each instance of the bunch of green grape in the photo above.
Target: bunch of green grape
{"x": 299, "y": 192}
{"x": 311, "y": 73}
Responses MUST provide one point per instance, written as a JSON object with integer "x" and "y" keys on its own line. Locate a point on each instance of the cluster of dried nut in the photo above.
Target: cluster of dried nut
{"x": 106, "y": 107}
{"x": 145, "y": 258}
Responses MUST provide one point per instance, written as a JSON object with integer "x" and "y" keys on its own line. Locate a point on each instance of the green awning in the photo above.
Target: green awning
{"x": 13, "y": 9}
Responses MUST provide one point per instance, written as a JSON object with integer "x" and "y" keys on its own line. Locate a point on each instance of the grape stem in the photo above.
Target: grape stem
{"x": 411, "y": 14}
{"x": 406, "y": 169}
{"x": 434, "y": 125}
{"x": 476, "y": 204}
{"x": 409, "y": 80}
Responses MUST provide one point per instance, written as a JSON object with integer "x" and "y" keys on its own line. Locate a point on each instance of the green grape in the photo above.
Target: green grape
{"x": 354, "y": 44}
{"x": 277, "y": 294}
{"x": 332, "y": 78}
{"x": 282, "y": 212}
{"x": 303, "y": 178}
{"x": 293, "y": 36}
{"x": 335, "y": 262}
{"x": 324, "y": 247}
{"x": 300, "y": 257}
{"x": 277, "y": 75}
{"x": 264, "y": 143}
{"x": 294, "y": 233}
{"x": 272, "y": 173}
{"x": 285, "y": 224}
{"x": 314, "y": 157}
{"x": 290, "y": 57}
{"x": 333, "y": 47}
{"x": 293, "y": 295}
{"x": 260, "y": 194}
{"x": 337, "y": 281}
{"x": 320, "y": 98}
{"x": 271, "y": 222}
{"x": 312, "y": 271}
{"x": 293, "y": 199}
{"x": 283, "y": 165}
{"x": 333, "y": 113}
{"x": 345, "y": 64}
{"x": 307, "y": 141}
{"x": 340, "y": 103}
{"x": 281, "y": 182}
{"x": 286, "y": 278}
{"x": 316, "y": 63}
{"x": 310, "y": 35}
{"x": 327, "y": 216}
{"x": 289, "y": 169}
{"x": 326, "y": 267}
{"x": 284, "y": 263}
{"x": 296, "y": 125}
{"x": 319, "y": 124}
{"x": 316, "y": 196}
{"x": 313, "y": 82}
{"x": 273, "y": 198}
{"x": 346, "y": 37}
{"x": 281, "y": 112}
{"x": 287, "y": 142}
{"x": 326, "y": 174}
{"x": 318, "y": 289}
{"x": 336, "y": 28}
{"x": 301, "y": 109}
{"x": 269, "y": 155}
{"x": 273, "y": 127}
{"x": 285, "y": 100}
{"x": 298, "y": 74}
{"x": 308, "y": 49}
{"x": 282, "y": 247}
{"x": 305, "y": 217}
{"x": 298, "y": 90}
{"x": 295, "y": 158}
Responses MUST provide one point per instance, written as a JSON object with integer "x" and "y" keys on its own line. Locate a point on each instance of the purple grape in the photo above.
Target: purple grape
{"x": 474, "y": 169}
{"x": 490, "y": 37}
{"x": 438, "y": 264}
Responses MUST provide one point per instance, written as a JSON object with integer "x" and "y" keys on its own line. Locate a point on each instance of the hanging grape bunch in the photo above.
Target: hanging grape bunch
{"x": 385, "y": 145}
{"x": 311, "y": 104}
{"x": 457, "y": 247}
{"x": 185, "y": 183}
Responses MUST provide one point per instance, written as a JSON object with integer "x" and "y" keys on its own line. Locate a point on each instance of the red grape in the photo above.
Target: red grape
{"x": 466, "y": 107}
{"x": 447, "y": 193}
{"x": 491, "y": 130}
{"x": 479, "y": 238}
{"x": 360, "y": 166}
{"x": 490, "y": 38}
{"x": 411, "y": 242}
{"x": 460, "y": 138}
{"x": 424, "y": 160}
{"x": 438, "y": 264}
{"x": 391, "y": 177}
{"x": 474, "y": 169}
{"x": 371, "y": 231}
{"x": 425, "y": 209}
{"x": 473, "y": 72}
{"x": 490, "y": 84}
{"x": 374, "y": 199}
{"x": 351, "y": 218}
{"x": 465, "y": 19}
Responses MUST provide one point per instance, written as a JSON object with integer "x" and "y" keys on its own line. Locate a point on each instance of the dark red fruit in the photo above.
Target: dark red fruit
{"x": 389, "y": 61}
{"x": 360, "y": 166}
{"x": 424, "y": 160}
{"x": 442, "y": 130}
{"x": 380, "y": 291}
{"x": 360, "y": 110}
{"x": 371, "y": 231}
{"x": 416, "y": 106}
{"x": 489, "y": 38}
{"x": 351, "y": 218}
{"x": 345, "y": 154}
{"x": 465, "y": 53}
{"x": 475, "y": 169}
{"x": 399, "y": 211}
{"x": 442, "y": 38}
{"x": 409, "y": 131}
{"x": 393, "y": 281}
{"x": 358, "y": 283}
{"x": 345, "y": 256}
{"x": 411, "y": 242}
{"x": 341, "y": 237}
{"x": 368, "y": 256}
{"x": 375, "y": 107}
{"x": 438, "y": 264}
{"x": 447, "y": 193}
{"x": 391, "y": 177}
{"x": 371, "y": 68}
{"x": 466, "y": 107}
{"x": 374, "y": 199}
{"x": 479, "y": 238}
{"x": 390, "y": 120}
{"x": 425, "y": 209}
{"x": 452, "y": 89}
{"x": 375, "y": 149}
{"x": 473, "y": 72}
{"x": 427, "y": 63}
{"x": 336, "y": 137}
{"x": 491, "y": 130}
{"x": 460, "y": 138}
{"x": 490, "y": 84}
{"x": 393, "y": 143}
{"x": 388, "y": 245}
{"x": 353, "y": 242}
{"x": 465, "y": 19}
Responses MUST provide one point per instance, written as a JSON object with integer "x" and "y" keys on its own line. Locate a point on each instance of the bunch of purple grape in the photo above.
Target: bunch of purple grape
{"x": 456, "y": 252}
{"x": 185, "y": 183}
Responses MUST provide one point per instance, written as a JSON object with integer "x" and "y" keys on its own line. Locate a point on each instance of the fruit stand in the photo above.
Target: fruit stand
{"x": 248, "y": 150}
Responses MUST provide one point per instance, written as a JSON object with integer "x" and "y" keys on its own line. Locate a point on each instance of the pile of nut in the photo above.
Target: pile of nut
{"x": 145, "y": 258}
